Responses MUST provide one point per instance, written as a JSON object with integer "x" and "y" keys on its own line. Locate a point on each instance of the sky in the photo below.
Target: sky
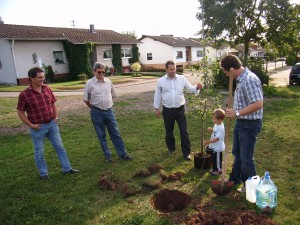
{"x": 144, "y": 17}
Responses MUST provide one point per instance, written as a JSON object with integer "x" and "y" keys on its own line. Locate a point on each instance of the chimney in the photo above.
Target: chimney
{"x": 92, "y": 29}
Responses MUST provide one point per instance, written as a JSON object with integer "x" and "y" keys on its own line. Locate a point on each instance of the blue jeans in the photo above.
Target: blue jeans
{"x": 102, "y": 118}
{"x": 50, "y": 131}
{"x": 244, "y": 139}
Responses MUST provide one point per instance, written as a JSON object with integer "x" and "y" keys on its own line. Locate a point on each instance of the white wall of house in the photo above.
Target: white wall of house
{"x": 160, "y": 52}
{"x": 100, "y": 55}
{"x": 196, "y": 58}
{"x": 24, "y": 51}
{"x": 108, "y": 61}
{"x": 224, "y": 50}
{"x": 175, "y": 57}
{"x": 7, "y": 68}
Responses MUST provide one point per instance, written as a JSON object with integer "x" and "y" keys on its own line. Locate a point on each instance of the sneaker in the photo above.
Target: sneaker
{"x": 171, "y": 152}
{"x": 126, "y": 157}
{"x": 216, "y": 173}
{"x": 242, "y": 189}
{"x": 108, "y": 160}
{"x": 187, "y": 158}
{"x": 72, "y": 171}
{"x": 45, "y": 177}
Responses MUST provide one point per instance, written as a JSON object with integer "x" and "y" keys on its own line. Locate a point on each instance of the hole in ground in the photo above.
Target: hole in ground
{"x": 170, "y": 200}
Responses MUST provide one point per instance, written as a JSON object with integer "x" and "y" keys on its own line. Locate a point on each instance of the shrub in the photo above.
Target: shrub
{"x": 291, "y": 60}
{"x": 256, "y": 66}
{"x": 49, "y": 73}
{"x": 82, "y": 76}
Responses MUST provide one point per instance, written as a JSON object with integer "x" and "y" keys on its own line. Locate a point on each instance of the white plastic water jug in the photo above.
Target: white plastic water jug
{"x": 251, "y": 184}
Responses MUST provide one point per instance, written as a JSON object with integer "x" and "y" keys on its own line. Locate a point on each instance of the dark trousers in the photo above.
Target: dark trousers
{"x": 178, "y": 115}
{"x": 216, "y": 160}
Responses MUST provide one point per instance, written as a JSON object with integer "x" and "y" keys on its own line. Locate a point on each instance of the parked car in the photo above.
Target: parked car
{"x": 295, "y": 74}
{"x": 280, "y": 59}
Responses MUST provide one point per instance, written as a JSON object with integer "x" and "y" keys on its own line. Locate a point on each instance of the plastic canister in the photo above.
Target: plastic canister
{"x": 266, "y": 193}
{"x": 251, "y": 184}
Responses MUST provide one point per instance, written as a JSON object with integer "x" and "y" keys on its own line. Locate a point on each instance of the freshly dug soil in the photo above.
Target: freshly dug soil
{"x": 237, "y": 217}
{"x": 170, "y": 200}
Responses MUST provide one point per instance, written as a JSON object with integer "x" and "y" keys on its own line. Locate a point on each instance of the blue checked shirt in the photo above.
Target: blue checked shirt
{"x": 248, "y": 90}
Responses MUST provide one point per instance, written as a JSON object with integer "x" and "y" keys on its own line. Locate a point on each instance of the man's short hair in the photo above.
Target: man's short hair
{"x": 219, "y": 114}
{"x": 170, "y": 62}
{"x": 230, "y": 61}
{"x": 98, "y": 65}
{"x": 32, "y": 73}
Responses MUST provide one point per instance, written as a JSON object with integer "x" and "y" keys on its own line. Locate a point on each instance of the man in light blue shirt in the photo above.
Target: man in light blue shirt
{"x": 169, "y": 91}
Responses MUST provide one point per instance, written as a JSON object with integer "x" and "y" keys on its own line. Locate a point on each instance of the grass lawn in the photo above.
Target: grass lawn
{"x": 77, "y": 199}
{"x": 73, "y": 85}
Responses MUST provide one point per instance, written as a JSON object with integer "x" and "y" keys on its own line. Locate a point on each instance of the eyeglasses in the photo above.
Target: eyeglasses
{"x": 101, "y": 72}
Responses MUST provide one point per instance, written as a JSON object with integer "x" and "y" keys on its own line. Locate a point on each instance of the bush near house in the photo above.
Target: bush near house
{"x": 82, "y": 77}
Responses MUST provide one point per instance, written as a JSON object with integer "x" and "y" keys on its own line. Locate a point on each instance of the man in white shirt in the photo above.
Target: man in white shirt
{"x": 169, "y": 90}
{"x": 98, "y": 94}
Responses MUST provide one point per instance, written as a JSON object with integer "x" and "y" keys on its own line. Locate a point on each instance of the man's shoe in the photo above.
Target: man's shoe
{"x": 126, "y": 157}
{"x": 171, "y": 152}
{"x": 72, "y": 171}
{"x": 187, "y": 158}
{"x": 242, "y": 189}
{"x": 108, "y": 160}
{"x": 45, "y": 177}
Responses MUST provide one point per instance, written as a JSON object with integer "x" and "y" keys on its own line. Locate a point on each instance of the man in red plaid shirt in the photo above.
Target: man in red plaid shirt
{"x": 36, "y": 108}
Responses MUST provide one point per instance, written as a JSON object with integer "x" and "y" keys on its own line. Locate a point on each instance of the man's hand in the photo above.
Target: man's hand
{"x": 35, "y": 126}
{"x": 157, "y": 112}
{"x": 230, "y": 113}
{"x": 199, "y": 86}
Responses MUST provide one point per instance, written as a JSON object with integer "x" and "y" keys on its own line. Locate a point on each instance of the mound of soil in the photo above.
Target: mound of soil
{"x": 106, "y": 184}
{"x": 237, "y": 217}
{"x": 154, "y": 168}
{"x": 170, "y": 200}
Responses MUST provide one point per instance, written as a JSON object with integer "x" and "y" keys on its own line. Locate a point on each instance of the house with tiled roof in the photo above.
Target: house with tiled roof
{"x": 23, "y": 47}
{"x": 156, "y": 50}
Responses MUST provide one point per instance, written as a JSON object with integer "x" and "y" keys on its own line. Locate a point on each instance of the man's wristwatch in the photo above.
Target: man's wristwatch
{"x": 237, "y": 114}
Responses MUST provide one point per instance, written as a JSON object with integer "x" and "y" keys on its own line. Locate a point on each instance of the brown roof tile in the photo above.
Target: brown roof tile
{"x": 173, "y": 41}
{"x": 74, "y": 35}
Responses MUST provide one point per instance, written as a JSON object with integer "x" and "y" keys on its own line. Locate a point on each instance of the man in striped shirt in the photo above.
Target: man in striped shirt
{"x": 36, "y": 108}
{"x": 248, "y": 111}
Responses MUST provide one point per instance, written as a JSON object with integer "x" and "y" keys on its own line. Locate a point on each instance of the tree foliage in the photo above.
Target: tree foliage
{"x": 1, "y": 20}
{"x": 286, "y": 35}
{"x": 243, "y": 21}
{"x": 130, "y": 34}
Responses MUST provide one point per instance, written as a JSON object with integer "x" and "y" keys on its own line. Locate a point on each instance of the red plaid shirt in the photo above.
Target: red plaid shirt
{"x": 38, "y": 106}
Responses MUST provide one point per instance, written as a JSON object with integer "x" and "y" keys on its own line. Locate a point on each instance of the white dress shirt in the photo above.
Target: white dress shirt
{"x": 170, "y": 91}
{"x": 99, "y": 93}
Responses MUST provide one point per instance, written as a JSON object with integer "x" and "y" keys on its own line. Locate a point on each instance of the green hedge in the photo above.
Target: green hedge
{"x": 79, "y": 58}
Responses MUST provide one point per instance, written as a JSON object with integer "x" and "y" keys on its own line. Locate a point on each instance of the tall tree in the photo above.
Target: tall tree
{"x": 1, "y": 21}
{"x": 243, "y": 21}
{"x": 130, "y": 34}
{"x": 286, "y": 35}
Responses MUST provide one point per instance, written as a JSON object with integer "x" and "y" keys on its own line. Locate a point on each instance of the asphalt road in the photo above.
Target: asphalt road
{"x": 278, "y": 77}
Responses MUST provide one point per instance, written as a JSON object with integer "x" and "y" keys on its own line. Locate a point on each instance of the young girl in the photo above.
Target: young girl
{"x": 216, "y": 142}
